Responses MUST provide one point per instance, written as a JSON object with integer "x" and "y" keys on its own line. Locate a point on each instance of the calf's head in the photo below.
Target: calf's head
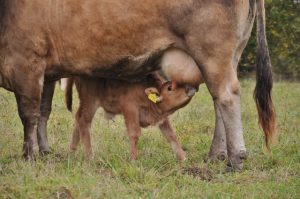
{"x": 169, "y": 99}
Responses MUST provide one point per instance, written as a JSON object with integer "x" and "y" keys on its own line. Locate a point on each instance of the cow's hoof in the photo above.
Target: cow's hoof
{"x": 235, "y": 162}
{"x": 28, "y": 157}
{"x": 236, "y": 167}
{"x": 215, "y": 158}
{"x": 44, "y": 152}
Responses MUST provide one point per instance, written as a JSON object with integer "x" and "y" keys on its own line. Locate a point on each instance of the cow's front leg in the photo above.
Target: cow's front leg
{"x": 45, "y": 109}
{"x": 29, "y": 111}
{"x": 218, "y": 149}
{"x": 131, "y": 117}
{"x": 170, "y": 135}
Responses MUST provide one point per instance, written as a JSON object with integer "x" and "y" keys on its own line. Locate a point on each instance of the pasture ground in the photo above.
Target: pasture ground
{"x": 156, "y": 174}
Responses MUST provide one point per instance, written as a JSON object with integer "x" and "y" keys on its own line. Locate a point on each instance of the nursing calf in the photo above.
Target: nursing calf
{"x": 142, "y": 104}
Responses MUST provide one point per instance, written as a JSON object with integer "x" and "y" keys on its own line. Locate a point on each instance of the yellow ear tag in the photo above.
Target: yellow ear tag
{"x": 152, "y": 97}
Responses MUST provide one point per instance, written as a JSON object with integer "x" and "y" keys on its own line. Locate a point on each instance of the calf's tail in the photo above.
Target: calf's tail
{"x": 69, "y": 93}
{"x": 264, "y": 80}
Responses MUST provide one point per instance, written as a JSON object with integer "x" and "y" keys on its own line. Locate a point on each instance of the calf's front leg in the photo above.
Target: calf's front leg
{"x": 170, "y": 135}
{"x": 131, "y": 117}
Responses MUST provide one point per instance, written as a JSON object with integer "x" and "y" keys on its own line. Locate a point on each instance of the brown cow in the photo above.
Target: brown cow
{"x": 46, "y": 40}
{"x": 134, "y": 101}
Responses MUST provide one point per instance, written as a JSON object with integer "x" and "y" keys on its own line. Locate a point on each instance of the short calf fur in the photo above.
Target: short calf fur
{"x": 144, "y": 103}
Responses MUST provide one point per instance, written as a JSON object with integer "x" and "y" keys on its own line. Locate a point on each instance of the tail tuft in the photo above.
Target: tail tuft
{"x": 264, "y": 80}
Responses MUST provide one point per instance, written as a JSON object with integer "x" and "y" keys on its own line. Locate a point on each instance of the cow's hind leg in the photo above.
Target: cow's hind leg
{"x": 45, "y": 109}
{"x": 221, "y": 79}
{"x": 212, "y": 41}
{"x": 224, "y": 87}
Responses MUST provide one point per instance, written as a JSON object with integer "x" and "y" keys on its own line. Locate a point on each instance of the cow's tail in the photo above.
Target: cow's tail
{"x": 264, "y": 80}
{"x": 69, "y": 94}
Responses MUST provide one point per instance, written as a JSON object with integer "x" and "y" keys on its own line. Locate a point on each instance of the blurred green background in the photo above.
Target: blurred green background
{"x": 283, "y": 34}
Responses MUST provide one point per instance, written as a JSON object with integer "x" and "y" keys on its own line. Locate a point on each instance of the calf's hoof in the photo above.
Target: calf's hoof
{"x": 235, "y": 162}
{"x": 89, "y": 157}
{"x": 133, "y": 156}
{"x": 181, "y": 156}
{"x": 216, "y": 157}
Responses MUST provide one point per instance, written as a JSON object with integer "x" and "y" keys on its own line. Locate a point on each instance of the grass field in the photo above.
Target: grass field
{"x": 156, "y": 174}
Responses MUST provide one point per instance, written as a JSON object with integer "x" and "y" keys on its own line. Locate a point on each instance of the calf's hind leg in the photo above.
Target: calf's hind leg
{"x": 84, "y": 117}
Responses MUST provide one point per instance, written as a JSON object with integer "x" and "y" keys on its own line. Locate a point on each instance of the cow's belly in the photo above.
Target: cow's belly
{"x": 109, "y": 44}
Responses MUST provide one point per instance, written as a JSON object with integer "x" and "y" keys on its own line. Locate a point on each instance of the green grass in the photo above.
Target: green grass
{"x": 156, "y": 174}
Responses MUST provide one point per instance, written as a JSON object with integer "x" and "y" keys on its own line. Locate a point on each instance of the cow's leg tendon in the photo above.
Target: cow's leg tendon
{"x": 45, "y": 109}
{"x": 218, "y": 149}
{"x": 170, "y": 135}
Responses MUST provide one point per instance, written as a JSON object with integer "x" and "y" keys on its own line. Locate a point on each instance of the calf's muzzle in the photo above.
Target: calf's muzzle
{"x": 190, "y": 90}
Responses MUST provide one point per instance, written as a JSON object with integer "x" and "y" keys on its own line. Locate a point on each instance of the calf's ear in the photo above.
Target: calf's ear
{"x": 151, "y": 90}
{"x": 153, "y": 95}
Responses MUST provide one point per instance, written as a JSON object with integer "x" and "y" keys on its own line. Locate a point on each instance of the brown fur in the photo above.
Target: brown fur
{"x": 127, "y": 40}
{"x": 130, "y": 100}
